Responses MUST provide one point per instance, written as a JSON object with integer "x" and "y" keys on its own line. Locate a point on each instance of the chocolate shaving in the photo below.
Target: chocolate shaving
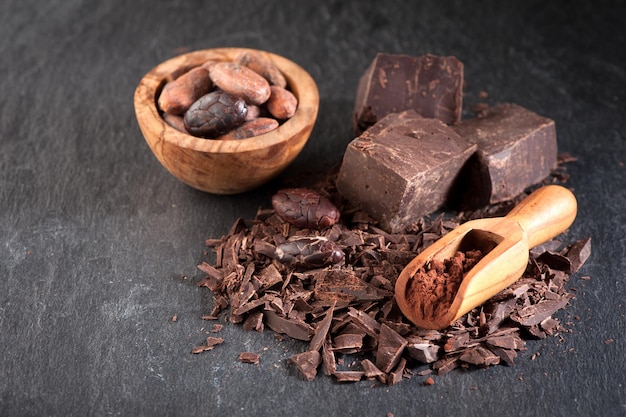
{"x": 536, "y": 313}
{"x": 556, "y": 261}
{"x": 578, "y": 253}
{"x": 371, "y": 370}
{"x": 348, "y": 310}
{"x": 348, "y": 376}
{"x": 390, "y": 348}
{"x": 322, "y": 330}
{"x": 211, "y": 342}
{"x": 295, "y": 329}
{"x": 307, "y": 363}
{"x": 249, "y": 357}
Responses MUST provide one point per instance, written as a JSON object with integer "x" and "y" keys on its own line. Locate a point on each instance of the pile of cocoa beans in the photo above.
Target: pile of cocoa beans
{"x": 228, "y": 100}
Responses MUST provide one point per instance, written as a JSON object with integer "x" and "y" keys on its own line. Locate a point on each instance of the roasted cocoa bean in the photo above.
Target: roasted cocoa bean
{"x": 240, "y": 81}
{"x": 175, "y": 121}
{"x": 313, "y": 252}
{"x": 252, "y": 77}
{"x": 251, "y": 128}
{"x": 208, "y": 64}
{"x": 282, "y": 104}
{"x": 178, "y": 95}
{"x": 305, "y": 208}
{"x": 262, "y": 64}
{"x": 254, "y": 111}
{"x": 214, "y": 114}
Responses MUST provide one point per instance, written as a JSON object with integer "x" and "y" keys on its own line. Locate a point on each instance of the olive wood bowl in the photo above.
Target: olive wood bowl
{"x": 225, "y": 166}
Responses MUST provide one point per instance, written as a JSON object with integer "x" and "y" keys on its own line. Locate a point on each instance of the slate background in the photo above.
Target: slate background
{"x": 98, "y": 243}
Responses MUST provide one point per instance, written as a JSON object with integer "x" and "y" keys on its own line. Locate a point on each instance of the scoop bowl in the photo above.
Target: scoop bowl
{"x": 541, "y": 216}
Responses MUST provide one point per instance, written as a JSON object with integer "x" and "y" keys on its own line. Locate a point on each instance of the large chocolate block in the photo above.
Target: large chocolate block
{"x": 402, "y": 168}
{"x": 516, "y": 149}
{"x": 431, "y": 85}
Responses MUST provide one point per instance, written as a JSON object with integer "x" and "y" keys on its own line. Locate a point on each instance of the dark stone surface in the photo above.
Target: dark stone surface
{"x": 99, "y": 243}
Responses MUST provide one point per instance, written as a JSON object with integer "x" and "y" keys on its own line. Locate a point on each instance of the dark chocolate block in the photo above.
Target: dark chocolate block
{"x": 402, "y": 168}
{"x": 431, "y": 85}
{"x": 516, "y": 149}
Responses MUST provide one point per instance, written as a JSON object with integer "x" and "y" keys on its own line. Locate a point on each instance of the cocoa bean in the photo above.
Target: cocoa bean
{"x": 253, "y": 112}
{"x": 262, "y": 64}
{"x": 175, "y": 121}
{"x": 251, "y": 128}
{"x": 214, "y": 114}
{"x": 313, "y": 252}
{"x": 178, "y": 95}
{"x": 241, "y": 82}
{"x": 282, "y": 104}
{"x": 305, "y": 208}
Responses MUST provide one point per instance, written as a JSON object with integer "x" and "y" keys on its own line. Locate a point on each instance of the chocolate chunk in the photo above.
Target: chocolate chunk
{"x": 348, "y": 343}
{"x": 431, "y": 85}
{"x": 402, "y": 168}
{"x": 424, "y": 352}
{"x": 322, "y": 330}
{"x": 556, "y": 261}
{"x": 397, "y": 374}
{"x": 480, "y": 356}
{"x": 307, "y": 363}
{"x": 536, "y": 313}
{"x": 254, "y": 321}
{"x": 516, "y": 149}
{"x": 390, "y": 348}
{"x": 371, "y": 371}
{"x": 329, "y": 364}
{"x": 270, "y": 276}
{"x": 578, "y": 253}
{"x": 457, "y": 341}
{"x": 506, "y": 355}
{"x": 446, "y": 364}
{"x": 511, "y": 342}
{"x": 294, "y": 328}
{"x": 364, "y": 321}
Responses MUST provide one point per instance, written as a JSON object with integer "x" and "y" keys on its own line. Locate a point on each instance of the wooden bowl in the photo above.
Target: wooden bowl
{"x": 225, "y": 166}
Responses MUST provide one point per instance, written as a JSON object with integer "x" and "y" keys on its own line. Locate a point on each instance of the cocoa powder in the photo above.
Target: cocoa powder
{"x": 434, "y": 286}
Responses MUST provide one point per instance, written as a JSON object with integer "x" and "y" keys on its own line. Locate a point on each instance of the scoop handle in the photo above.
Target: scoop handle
{"x": 545, "y": 213}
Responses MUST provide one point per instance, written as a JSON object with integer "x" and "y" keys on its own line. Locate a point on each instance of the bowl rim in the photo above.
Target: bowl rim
{"x": 300, "y": 82}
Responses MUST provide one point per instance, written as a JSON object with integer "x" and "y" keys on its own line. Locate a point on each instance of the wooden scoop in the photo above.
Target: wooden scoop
{"x": 541, "y": 216}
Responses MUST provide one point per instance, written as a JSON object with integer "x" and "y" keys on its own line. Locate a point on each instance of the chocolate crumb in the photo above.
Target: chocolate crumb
{"x": 434, "y": 286}
{"x": 211, "y": 342}
{"x": 249, "y": 357}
